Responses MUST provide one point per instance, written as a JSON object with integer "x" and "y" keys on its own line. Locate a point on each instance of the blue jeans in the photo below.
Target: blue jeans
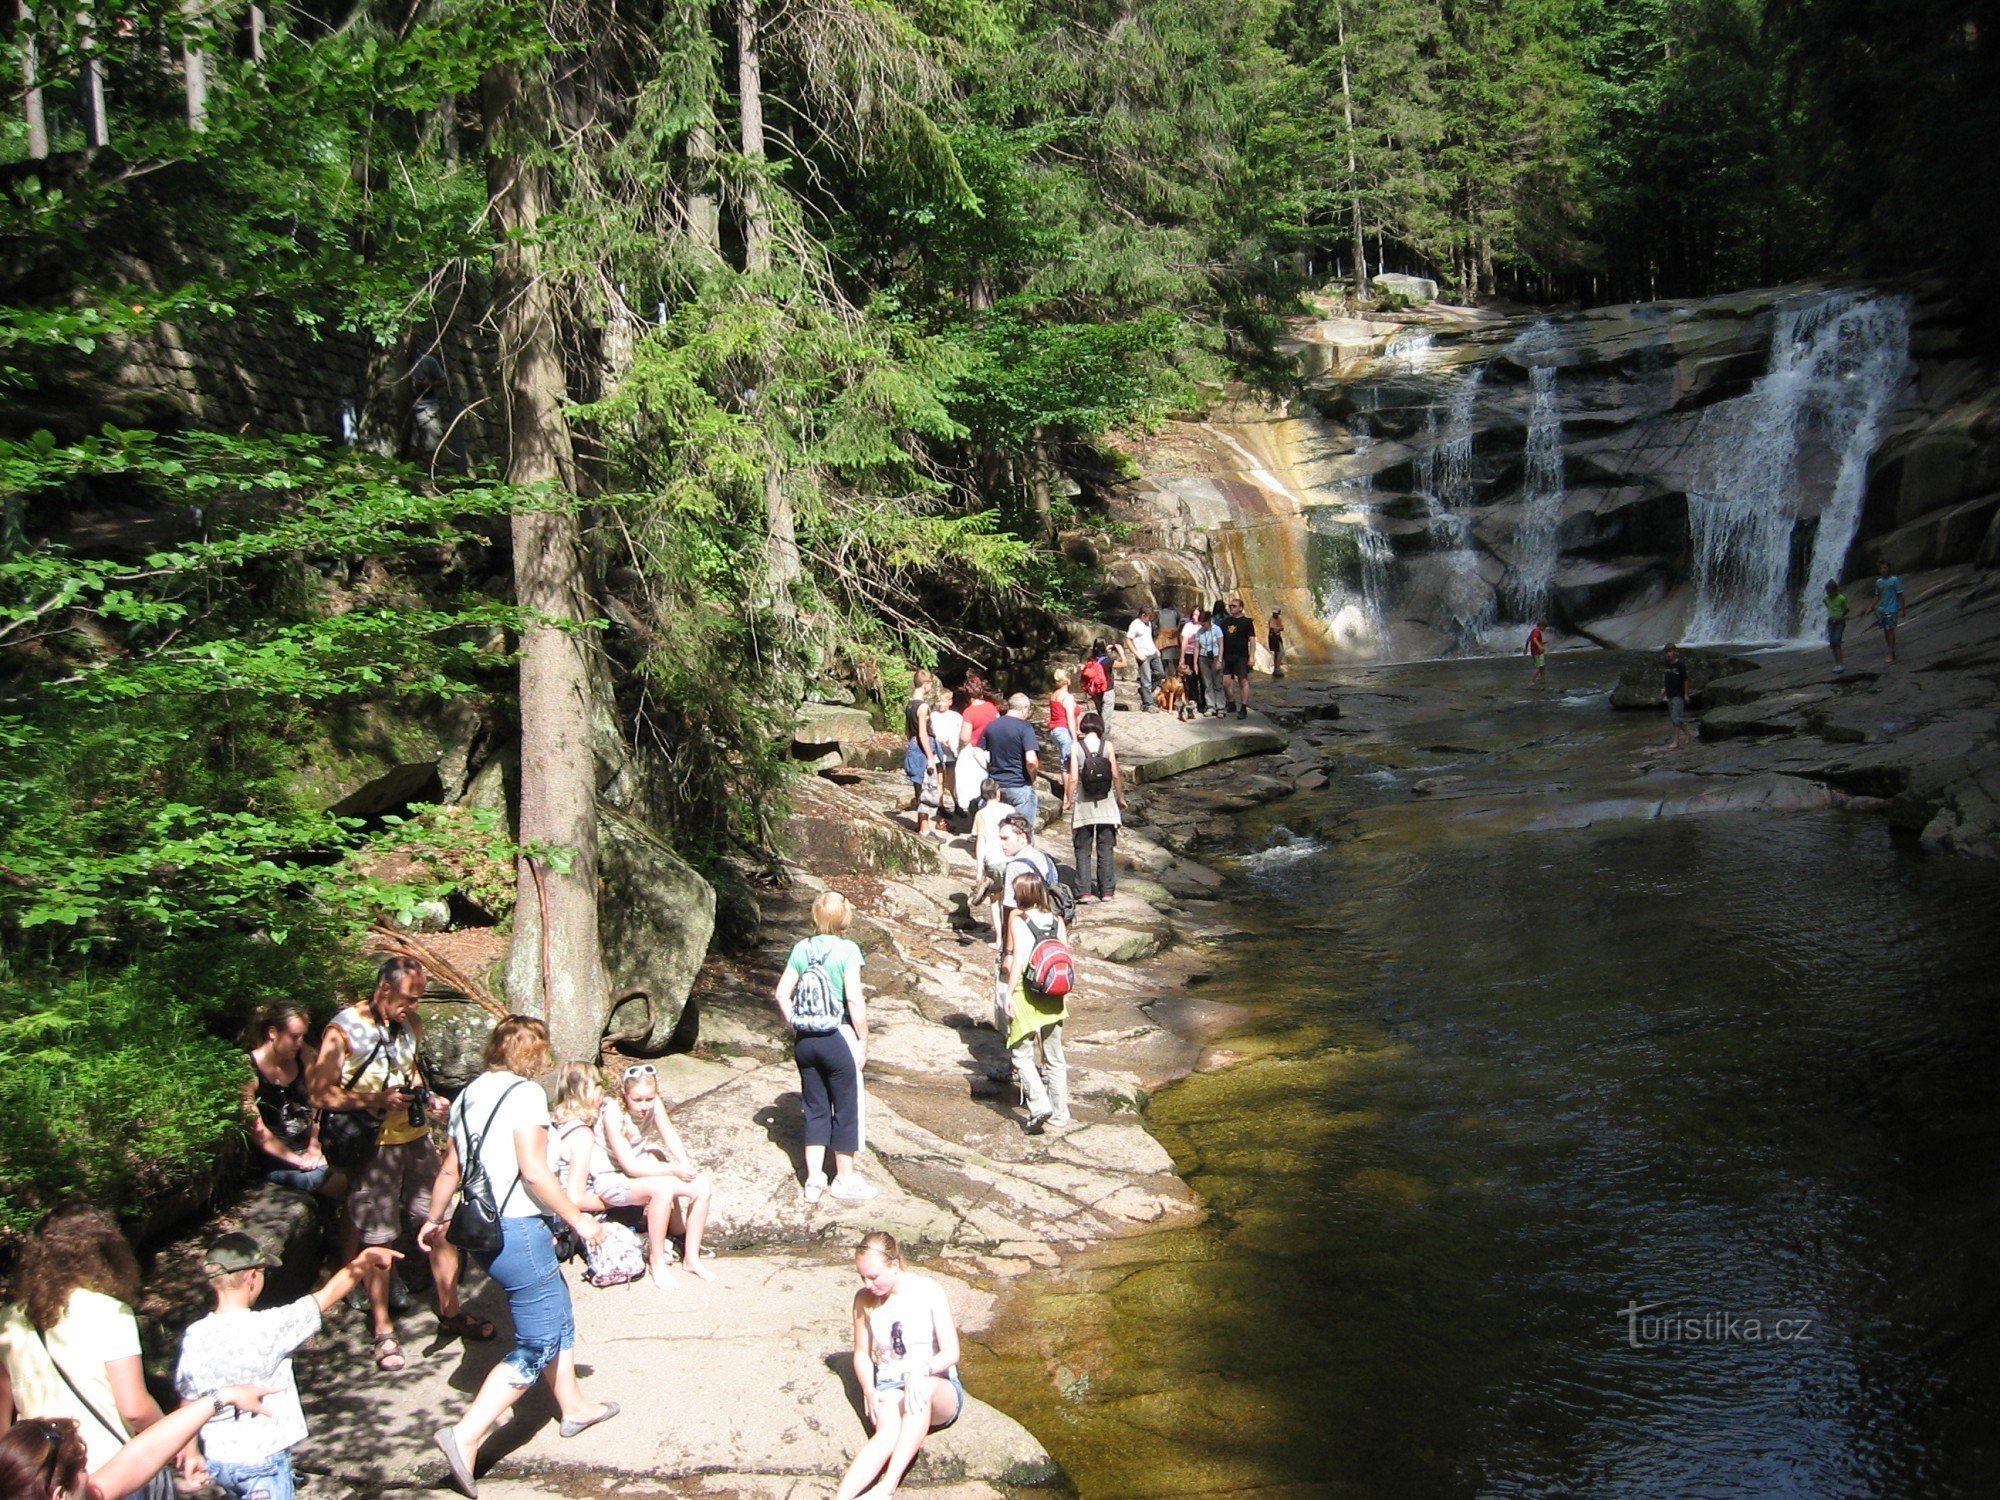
{"x": 537, "y": 1297}
{"x": 270, "y": 1479}
{"x": 1025, "y": 800}
{"x": 297, "y": 1181}
{"x": 1065, "y": 746}
{"x": 1151, "y": 671}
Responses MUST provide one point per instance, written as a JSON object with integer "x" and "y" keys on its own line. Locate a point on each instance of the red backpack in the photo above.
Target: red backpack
{"x": 1095, "y": 678}
{"x": 1051, "y": 970}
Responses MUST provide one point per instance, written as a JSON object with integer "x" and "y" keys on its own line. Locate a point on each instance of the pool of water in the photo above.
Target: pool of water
{"x": 1647, "y": 1161}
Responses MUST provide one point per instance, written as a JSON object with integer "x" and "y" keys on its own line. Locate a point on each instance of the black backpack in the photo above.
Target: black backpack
{"x": 1093, "y": 777}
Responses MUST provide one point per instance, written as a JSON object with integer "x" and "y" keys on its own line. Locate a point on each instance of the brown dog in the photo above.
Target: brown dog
{"x": 1172, "y": 696}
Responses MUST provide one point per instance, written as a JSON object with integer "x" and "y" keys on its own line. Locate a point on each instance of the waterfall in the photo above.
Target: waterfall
{"x": 1375, "y": 559}
{"x": 1444, "y": 478}
{"x": 1542, "y": 488}
{"x": 1837, "y": 365}
{"x": 1409, "y": 351}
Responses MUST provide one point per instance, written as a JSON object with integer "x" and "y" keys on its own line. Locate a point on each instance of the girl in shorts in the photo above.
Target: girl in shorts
{"x": 645, "y": 1148}
{"x": 577, "y": 1156}
{"x": 906, "y": 1359}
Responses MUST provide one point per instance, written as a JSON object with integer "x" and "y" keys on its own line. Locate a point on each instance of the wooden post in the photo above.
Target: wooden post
{"x": 194, "y": 67}
{"x": 31, "y": 88}
{"x": 96, "y": 125}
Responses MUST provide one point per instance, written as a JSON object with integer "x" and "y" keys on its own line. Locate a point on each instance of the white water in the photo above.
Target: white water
{"x": 1838, "y": 363}
{"x": 1535, "y": 552}
{"x": 1287, "y": 849}
{"x": 1444, "y": 477}
{"x": 1409, "y": 351}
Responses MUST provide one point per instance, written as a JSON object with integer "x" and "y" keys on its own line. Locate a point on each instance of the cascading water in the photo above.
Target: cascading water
{"x": 1444, "y": 478}
{"x": 1542, "y": 489}
{"x": 1375, "y": 559}
{"x": 1838, "y": 363}
{"x": 1409, "y": 351}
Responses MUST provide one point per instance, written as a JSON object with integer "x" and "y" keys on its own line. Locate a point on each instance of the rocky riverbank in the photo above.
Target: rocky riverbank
{"x": 741, "y": 1386}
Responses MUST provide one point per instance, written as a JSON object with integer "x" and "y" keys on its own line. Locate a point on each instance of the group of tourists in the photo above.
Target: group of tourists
{"x": 1211, "y": 652}
{"x": 520, "y": 1185}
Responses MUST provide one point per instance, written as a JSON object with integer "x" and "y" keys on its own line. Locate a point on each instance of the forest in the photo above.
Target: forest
{"x": 803, "y": 311}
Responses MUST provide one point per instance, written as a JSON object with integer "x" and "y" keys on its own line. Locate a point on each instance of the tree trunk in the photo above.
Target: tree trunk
{"x": 556, "y": 964}
{"x": 32, "y": 116}
{"x": 194, "y": 67}
{"x": 96, "y": 123}
{"x": 750, "y": 99}
{"x": 1353, "y": 166}
{"x": 704, "y": 221}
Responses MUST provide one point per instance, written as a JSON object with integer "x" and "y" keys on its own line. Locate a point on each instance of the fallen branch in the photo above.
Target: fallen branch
{"x": 382, "y": 938}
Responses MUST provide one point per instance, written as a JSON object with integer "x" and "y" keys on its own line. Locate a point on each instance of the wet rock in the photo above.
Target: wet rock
{"x": 1967, "y": 820}
{"x": 1639, "y": 685}
{"x": 1120, "y": 943}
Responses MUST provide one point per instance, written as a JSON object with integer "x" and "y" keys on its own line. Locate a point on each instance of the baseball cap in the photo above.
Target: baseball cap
{"x": 230, "y": 1253}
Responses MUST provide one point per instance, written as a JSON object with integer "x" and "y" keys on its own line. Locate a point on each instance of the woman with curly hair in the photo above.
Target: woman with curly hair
{"x": 69, "y": 1343}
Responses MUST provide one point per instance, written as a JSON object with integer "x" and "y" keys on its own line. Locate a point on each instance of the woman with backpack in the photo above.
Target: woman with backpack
{"x": 1094, "y": 794}
{"x": 1039, "y": 975}
{"x": 819, "y": 995}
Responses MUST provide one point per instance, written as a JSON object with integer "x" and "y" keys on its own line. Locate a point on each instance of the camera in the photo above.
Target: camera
{"x": 420, "y": 1098}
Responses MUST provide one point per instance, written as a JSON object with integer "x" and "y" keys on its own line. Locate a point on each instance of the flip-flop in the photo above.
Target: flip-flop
{"x": 605, "y": 1413}
{"x": 387, "y": 1349}
{"x": 464, "y": 1325}
{"x": 461, "y": 1471}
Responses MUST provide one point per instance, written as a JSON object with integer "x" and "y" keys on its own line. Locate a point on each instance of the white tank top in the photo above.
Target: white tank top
{"x": 902, "y": 1330}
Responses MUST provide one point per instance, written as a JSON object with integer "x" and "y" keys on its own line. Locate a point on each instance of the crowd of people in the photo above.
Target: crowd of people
{"x": 520, "y": 1182}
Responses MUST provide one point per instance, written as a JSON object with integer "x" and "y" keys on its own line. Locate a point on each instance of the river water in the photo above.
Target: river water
{"x": 1652, "y": 1161}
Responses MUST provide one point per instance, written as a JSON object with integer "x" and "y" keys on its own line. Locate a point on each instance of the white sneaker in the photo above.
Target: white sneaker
{"x": 853, "y": 1189}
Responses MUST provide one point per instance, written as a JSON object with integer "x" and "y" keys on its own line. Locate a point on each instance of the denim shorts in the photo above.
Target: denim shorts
{"x": 916, "y": 765}
{"x": 267, "y": 1479}
{"x": 537, "y": 1297}
{"x": 893, "y": 1386}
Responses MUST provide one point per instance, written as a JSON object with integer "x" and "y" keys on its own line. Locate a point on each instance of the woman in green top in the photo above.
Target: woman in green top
{"x": 820, "y": 997}
{"x": 1032, "y": 1016}
{"x": 1836, "y": 622}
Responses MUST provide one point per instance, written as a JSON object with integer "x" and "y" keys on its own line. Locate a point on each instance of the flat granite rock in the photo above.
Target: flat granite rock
{"x": 1152, "y": 747}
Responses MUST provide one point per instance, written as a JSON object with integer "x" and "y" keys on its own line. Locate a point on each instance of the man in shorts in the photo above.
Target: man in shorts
{"x": 369, "y": 1064}
{"x": 1888, "y": 606}
{"x": 1239, "y": 635}
{"x": 1674, "y": 689}
{"x": 1537, "y": 646}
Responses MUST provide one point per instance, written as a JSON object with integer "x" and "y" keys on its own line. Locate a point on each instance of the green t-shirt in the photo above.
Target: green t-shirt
{"x": 1836, "y": 606}
{"x": 840, "y": 956}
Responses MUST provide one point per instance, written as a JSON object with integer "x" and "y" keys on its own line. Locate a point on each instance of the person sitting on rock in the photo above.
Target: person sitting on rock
{"x": 643, "y": 1144}
{"x": 278, "y": 1107}
{"x": 578, "y": 1157}
{"x": 906, "y": 1360}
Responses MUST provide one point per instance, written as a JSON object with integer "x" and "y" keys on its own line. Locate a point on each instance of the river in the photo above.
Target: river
{"x": 1657, "y": 1160}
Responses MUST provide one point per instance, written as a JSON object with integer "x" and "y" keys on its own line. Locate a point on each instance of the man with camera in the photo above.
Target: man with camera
{"x": 368, "y": 1077}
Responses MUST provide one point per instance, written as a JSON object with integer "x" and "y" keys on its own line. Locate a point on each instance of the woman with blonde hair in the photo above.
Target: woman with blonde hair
{"x": 1062, "y": 718}
{"x": 645, "y": 1148}
{"x": 69, "y": 1346}
{"x": 906, "y": 1359}
{"x": 819, "y": 995}
{"x": 499, "y": 1131}
{"x": 577, "y": 1155}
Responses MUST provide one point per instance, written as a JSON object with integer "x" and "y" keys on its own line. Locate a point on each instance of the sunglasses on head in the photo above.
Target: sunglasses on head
{"x": 641, "y": 1070}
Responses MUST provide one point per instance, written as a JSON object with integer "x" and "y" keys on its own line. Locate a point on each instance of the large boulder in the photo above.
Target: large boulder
{"x": 365, "y": 759}
{"x": 832, "y": 829}
{"x": 655, "y": 915}
{"x": 1409, "y": 288}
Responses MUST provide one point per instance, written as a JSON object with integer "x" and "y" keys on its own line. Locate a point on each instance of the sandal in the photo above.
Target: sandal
{"x": 388, "y": 1353}
{"x": 463, "y": 1324}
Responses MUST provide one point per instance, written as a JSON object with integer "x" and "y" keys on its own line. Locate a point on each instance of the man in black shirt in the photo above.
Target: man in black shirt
{"x": 1674, "y": 688}
{"x": 1239, "y": 634}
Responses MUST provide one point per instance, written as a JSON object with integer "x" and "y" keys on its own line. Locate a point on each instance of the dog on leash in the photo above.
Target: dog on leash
{"x": 1172, "y": 696}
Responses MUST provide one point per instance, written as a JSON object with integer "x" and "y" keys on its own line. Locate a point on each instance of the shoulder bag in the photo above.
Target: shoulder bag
{"x": 347, "y": 1136}
{"x": 475, "y": 1223}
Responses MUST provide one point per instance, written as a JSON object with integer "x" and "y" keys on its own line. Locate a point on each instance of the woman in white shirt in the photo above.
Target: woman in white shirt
{"x": 906, "y": 1358}
{"x": 501, "y": 1125}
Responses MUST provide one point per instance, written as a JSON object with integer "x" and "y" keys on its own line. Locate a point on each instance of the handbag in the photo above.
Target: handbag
{"x": 347, "y": 1136}
{"x": 475, "y": 1223}
{"x": 617, "y": 1258}
{"x": 569, "y": 1244}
